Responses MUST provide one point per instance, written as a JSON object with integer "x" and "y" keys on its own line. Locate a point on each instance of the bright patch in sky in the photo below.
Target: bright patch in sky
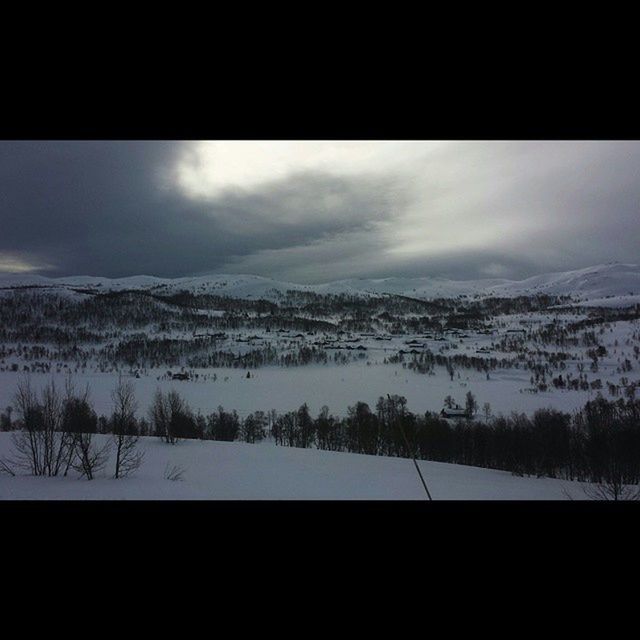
{"x": 208, "y": 168}
{"x": 442, "y": 197}
{"x": 13, "y": 264}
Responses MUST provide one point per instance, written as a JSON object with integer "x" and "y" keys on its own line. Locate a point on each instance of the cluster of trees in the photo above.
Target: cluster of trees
{"x": 599, "y": 444}
{"x": 581, "y": 332}
{"x": 171, "y": 419}
{"x": 149, "y": 329}
{"x": 263, "y": 356}
{"x": 142, "y": 352}
{"x": 426, "y": 360}
{"x": 41, "y": 315}
{"x": 55, "y": 432}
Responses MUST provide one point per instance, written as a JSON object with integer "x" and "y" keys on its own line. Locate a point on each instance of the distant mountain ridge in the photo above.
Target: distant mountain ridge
{"x": 613, "y": 284}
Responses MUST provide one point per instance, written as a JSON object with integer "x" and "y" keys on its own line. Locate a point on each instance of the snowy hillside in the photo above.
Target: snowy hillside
{"x": 601, "y": 282}
{"x": 590, "y": 283}
{"x": 238, "y": 471}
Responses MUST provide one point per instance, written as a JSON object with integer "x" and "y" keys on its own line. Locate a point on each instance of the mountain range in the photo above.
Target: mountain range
{"x": 612, "y": 284}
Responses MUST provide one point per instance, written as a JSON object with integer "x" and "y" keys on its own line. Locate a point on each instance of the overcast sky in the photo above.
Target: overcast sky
{"x": 317, "y": 211}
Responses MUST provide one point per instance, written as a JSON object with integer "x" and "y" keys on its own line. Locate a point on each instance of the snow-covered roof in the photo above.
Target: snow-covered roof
{"x": 455, "y": 412}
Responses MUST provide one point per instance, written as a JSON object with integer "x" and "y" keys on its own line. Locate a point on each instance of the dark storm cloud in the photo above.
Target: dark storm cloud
{"x": 361, "y": 254}
{"x": 463, "y": 210}
{"x": 104, "y": 208}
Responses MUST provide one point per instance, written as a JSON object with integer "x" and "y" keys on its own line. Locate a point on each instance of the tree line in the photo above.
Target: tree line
{"x": 598, "y": 444}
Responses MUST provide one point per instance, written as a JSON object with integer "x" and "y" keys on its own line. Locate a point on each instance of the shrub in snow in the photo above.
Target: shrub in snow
{"x": 173, "y": 472}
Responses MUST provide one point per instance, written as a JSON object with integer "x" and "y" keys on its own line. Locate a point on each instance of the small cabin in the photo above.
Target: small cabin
{"x": 455, "y": 412}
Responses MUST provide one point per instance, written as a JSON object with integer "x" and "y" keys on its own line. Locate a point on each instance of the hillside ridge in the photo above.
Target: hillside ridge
{"x": 598, "y": 282}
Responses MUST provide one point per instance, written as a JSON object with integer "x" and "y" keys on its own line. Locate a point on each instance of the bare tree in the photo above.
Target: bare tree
{"x": 5, "y": 467}
{"x": 177, "y": 410}
{"x": 167, "y": 414}
{"x": 41, "y": 445}
{"x": 78, "y": 418}
{"x": 26, "y": 441}
{"x": 471, "y": 405}
{"x": 159, "y": 415}
{"x": 55, "y": 444}
{"x": 90, "y": 459}
{"x": 56, "y": 431}
{"x": 612, "y": 490}
{"x": 79, "y": 424}
{"x": 125, "y": 436}
{"x": 5, "y": 419}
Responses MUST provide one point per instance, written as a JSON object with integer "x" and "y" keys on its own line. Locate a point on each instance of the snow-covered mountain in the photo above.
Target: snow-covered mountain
{"x": 606, "y": 285}
{"x": 593, "y": 282}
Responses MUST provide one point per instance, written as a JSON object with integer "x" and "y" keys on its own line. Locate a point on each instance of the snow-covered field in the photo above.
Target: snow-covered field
{"x": 524, "y": 352}
{"x": 238, "y": 471}
{"x": 338, "y": 387}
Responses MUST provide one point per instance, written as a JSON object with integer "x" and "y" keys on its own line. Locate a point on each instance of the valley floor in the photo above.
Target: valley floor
{"x": 338, "y": 386}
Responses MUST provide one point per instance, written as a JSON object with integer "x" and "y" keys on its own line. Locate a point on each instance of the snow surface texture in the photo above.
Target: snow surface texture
{"x": 239, "y": 471}
{"x": 620, "y": 281}
{"x": 338, "y": 387}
